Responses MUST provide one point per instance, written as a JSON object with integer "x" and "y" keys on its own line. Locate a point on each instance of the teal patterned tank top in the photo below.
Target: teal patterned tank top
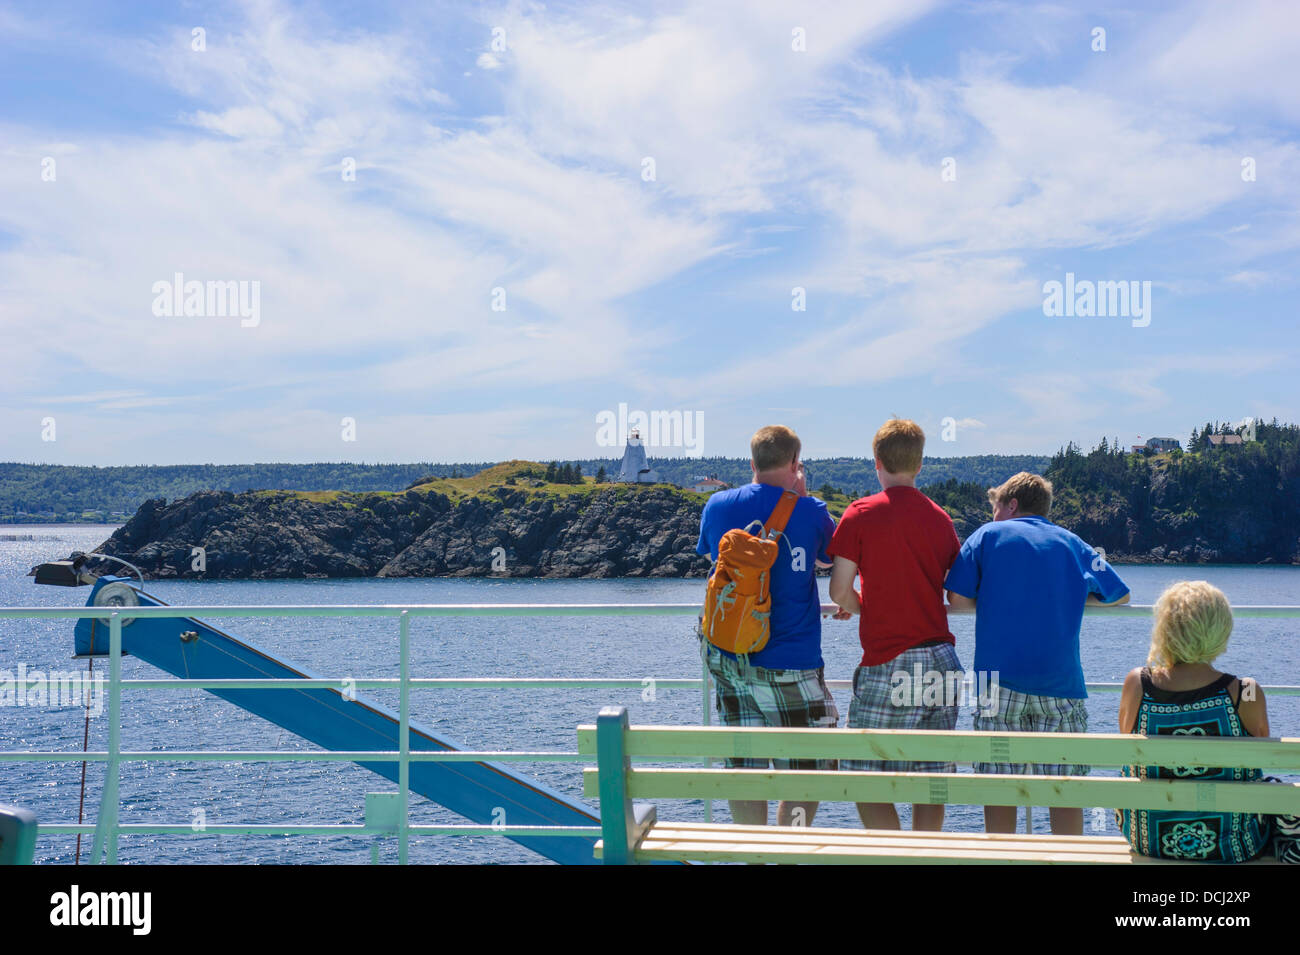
{"x": 1192, "y": 834}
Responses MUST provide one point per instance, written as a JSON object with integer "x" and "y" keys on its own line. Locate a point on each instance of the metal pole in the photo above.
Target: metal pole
{"x": 404, "y": 740}
{"x": 704, "y": 706}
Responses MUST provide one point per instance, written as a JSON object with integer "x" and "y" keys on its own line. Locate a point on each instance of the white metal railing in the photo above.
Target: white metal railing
{"x": 107, "y": 826}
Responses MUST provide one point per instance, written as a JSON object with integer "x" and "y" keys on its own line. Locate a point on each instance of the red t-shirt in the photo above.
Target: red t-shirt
{"x": 903, "y": 544}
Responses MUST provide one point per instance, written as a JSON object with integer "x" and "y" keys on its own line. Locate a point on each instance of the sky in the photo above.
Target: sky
{"x": 475, "y": 232}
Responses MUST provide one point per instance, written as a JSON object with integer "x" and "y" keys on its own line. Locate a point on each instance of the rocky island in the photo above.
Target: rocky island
{"x": 1218, "y": 503}
{"x": 504, "y": 522}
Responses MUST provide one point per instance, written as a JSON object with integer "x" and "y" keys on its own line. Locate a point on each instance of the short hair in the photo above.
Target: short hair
{"x": 773, "y": 447}
{"x": 898, "y": 446}
{"x": 1032, "y": 492}
{"x": 1192, "y": 624}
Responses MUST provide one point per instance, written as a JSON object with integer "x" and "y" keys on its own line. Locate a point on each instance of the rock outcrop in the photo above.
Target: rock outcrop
{"x": 604, "y": 531}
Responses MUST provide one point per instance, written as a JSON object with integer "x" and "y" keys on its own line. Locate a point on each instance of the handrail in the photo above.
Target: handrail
{"x": 107, "y": 827}
{"x": 515, "y": 610}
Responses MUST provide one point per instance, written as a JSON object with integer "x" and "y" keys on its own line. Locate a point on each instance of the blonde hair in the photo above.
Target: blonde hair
{"x": 1193, "y": 623}
{"x": 899, "y": 446}
{"x": 1032, "y": 493}
{"x": 773, "y": 447}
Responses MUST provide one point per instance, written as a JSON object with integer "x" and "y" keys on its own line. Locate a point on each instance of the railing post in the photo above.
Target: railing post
{"x": 617, "y": 820}
{"x": 404, "y": 740}
{"x": 106, "y": 821}
{"x": 705, "y": 715}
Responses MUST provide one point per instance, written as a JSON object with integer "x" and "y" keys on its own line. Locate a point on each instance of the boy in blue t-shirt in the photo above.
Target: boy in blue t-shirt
{"x": 782, "y": 684}
{"x": 1028, "y": 581}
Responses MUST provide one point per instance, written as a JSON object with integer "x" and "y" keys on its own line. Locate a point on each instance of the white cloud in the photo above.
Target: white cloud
{"x": 1226, "y": 57}
{"x": 379, "y": 290}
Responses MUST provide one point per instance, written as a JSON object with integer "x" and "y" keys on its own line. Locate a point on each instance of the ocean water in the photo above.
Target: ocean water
{"x": 626, "y": 647}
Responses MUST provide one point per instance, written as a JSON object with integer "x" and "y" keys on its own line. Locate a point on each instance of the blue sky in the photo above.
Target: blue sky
{"x": 504, "y": 146}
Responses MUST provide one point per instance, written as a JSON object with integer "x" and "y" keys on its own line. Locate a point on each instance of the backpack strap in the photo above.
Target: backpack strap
{"x": 775, "y": 525}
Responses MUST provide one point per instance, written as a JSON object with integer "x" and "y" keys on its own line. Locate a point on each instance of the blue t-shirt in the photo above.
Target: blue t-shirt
{"x": 796, "y": 640}
{"x": 1029, "y": 579}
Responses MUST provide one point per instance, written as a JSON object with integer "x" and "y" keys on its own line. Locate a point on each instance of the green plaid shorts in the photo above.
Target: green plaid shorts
{"x": 875, "y": 705}
{"x": 753, "y": 696}
{"x": 1029, "y": 713}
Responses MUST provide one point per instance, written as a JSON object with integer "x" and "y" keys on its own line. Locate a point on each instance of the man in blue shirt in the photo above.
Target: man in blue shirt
{"x": 1028, "y": 581}
{"x": 782, "y": 684}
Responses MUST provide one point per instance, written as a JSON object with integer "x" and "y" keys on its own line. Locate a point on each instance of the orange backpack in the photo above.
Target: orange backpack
{"x": 738, "y": 601}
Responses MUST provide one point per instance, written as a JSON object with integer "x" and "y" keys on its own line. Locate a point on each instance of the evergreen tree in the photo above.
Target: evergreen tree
{"x": 577, "y": 474}
{"x": 551, "y": 473}
{"x": 601, "y": 477}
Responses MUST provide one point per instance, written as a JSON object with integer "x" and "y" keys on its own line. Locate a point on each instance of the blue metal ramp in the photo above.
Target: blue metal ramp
{"x": 191, "y": 649}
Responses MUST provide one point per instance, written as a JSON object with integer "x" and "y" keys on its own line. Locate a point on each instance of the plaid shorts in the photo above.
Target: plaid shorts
{"x": 1029, "y": 713}
{"x": 882, "y": 701}
{"x": 753, "y": 696}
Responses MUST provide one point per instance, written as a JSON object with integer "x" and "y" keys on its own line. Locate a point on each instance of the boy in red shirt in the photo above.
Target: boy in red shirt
{"x": 900, "y": 544}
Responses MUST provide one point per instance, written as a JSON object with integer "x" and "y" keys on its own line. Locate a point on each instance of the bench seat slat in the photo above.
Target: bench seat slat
{"x": 680, "y": 850}
{"x": 705, "y": 832}
{"x": 703, "y": 842}
{"x": 953, "y": 842}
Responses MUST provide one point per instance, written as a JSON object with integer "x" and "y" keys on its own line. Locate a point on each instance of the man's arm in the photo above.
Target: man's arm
{"x": 844, "y": 573}
{"x": 823, "y": 559}
{"x": 959, "y": 602}
{"x": 1102, "y": 579}
{"x": 964, "y": 575}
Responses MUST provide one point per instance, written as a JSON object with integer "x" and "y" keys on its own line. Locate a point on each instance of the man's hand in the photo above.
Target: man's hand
{"x": 800, "y": 486}
{"x": 841, "y": 614}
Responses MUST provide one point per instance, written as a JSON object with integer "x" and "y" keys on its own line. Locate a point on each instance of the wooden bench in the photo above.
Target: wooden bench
{"x": 632, "y": 832}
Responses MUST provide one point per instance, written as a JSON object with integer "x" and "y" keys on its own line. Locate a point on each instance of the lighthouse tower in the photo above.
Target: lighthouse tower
{"x": 635, "y": 468}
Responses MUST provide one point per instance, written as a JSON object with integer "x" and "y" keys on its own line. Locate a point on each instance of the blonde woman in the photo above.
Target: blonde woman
{"x": 1180, "y": 693}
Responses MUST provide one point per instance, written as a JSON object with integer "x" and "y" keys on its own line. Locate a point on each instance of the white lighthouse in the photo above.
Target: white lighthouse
{"x": 635, "y": 468}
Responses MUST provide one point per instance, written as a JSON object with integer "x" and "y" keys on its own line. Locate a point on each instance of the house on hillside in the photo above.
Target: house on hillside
{"x": 1220, "y": 439}
{"x": 708, "y": 485}
{"x": 1161, "y": 445}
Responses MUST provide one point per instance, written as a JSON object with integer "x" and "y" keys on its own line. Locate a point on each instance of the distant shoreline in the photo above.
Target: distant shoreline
{"x": 51, "y": 524}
